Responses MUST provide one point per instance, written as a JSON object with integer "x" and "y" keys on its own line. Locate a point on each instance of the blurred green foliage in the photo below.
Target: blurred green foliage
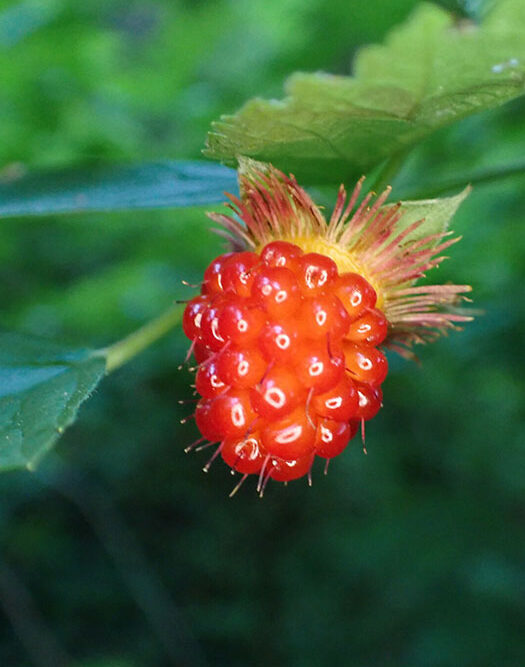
{"x": 119, "y": 552}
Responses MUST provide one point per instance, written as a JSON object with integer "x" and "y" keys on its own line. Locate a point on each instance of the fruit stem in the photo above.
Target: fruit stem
{"x": 122, "y": 351}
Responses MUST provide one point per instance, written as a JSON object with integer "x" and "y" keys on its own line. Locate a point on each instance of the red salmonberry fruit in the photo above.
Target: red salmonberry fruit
{"x": 277, "y": 290}
{"x": 241, "y": 366}
{"x": 291, "y": 437}
{"x": 332, "y": 437}
{"x": 317, "y": 367}
{"x": 238, "y": 273}
{"x": 232, "y": 413}
{"x": 210, "y": 335}
{"x": 365, "y": 363}
{"x": 370, "y": 401}
{"x": 240, "y": 322}
{"x": 207, "y": 381}
{"x": 281, "y": 253}
{"x": 205, "y": 420}
{"x": 191, "y": 319}
{"x": 286, "y": 331}
{"x": 245, "y": 455}
{"x": 284, "y": 470}
{"x": 288, "y": 364}
{"x": 278, "y": 394}
{"x": 201, "y": 352}
{"x": 316, "y": 273}
{"x": 212, "y": 283}
{"x": 278, "y": 340}
{"x": 322, "y": 315}
{"x": 339, "y": 403}
{"x": 370, "y": 329}
{"x": 356, "y": 294}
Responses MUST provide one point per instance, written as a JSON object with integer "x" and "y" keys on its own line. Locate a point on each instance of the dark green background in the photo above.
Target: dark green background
{"x": 119, "y": 551}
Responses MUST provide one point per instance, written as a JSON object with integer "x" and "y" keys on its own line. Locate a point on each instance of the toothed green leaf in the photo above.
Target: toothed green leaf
{"x": 431, "y": 72}
{"x": 42, "y": 386}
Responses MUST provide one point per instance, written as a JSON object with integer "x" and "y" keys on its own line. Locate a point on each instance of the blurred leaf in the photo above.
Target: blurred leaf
{"x": 23, "y": 18}
{"x": 430, "y": 73}
{"x": 153, "y": 185}
{"x": 41, "y": 388}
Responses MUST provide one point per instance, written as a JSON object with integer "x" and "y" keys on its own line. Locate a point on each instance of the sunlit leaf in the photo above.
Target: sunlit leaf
{"x": 431, "y": 72}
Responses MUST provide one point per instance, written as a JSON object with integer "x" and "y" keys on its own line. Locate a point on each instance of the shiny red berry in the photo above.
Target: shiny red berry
{"x": 232, "y": 413}
{"x": 355, "y": 293}
{"x": 245, "y": 455}
{"x": 207, "y": 381}
{"x": 201, "y": 352}
{"x": 369, "y": 329}
{"x": 316, "y": 273}
{"x": 238, "y": 273}
{"x": 283, "y": 470}
{"x": 191, "y": 319}
{"x": 365, "y": 364}
{"x": 321, "y": 315}
{"x": 339, "y": 403}
{"x": 370, "y": 399}
{"x": 240, "y": 322}
{"x": 278, "y": 394}
{"x": 332, "y": 437}
{"x": 241, "y": 366}
{"x": 205, "y": 420}
{"x": 277, "y": 290}
{"x": 291, "y": 437}
{"x": 281, "y": 253}
{"x": 209, "y": 326}
{"x": 212, "y": 283}
{"x": 278, "y": 341}
{"x": 316, "y": 367}
{"x": 288, "y": 363}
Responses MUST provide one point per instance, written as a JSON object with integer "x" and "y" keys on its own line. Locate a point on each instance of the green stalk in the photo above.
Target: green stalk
{"x": 389, "y": 171}
{"x": 121, "y": 352}
{"x": 489, "y": 175}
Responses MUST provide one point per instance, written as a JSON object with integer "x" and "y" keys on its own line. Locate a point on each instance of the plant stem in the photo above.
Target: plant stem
{"x": 121, "y": 352}
{"x": 477, "y": 178}
{"x": 389, "y": 170}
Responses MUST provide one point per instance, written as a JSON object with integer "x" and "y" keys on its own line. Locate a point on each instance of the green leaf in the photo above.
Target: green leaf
{"x": 42, "y": 386}
{"x": 115, "y": 188}
{"x": 429, "y": 73}
{"x": 435, "y": 213}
